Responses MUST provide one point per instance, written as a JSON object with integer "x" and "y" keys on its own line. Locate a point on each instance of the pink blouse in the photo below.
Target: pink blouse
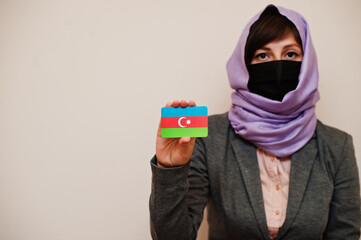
{"x": 275, "y": 180}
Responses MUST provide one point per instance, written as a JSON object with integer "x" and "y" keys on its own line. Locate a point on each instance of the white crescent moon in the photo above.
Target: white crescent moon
{"x": 179, "y": 122}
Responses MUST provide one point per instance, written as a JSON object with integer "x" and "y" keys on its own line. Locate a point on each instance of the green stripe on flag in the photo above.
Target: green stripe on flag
{"x": 184, "y": 132}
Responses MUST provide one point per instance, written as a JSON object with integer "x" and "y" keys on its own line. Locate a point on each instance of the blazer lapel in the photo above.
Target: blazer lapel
{"x": 301, "y": 165}
{"x": 246, "y": 156}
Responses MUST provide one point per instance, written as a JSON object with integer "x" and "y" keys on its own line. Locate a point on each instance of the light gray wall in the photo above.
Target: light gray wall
{"x": 81, "y": 87}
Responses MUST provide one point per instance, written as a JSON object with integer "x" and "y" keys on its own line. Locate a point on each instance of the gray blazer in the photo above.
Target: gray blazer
{"x": 324, "y": 194}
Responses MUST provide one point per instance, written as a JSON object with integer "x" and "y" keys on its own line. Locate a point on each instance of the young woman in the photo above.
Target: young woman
{"x": 268, "y": 169}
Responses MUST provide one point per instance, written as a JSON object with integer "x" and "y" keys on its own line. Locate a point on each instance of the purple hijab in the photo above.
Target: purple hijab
{"x": 280, "y": 128}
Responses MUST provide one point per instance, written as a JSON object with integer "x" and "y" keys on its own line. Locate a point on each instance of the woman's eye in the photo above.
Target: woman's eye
{"x": 262, "y": 56}
{"x": 291, "y": 54}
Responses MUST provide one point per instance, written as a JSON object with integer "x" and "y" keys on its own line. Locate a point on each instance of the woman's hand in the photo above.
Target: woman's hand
{"x": 172, "y": 152}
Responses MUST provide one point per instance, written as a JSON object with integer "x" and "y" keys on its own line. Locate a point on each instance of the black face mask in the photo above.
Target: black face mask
{"x": 274, "y": 79}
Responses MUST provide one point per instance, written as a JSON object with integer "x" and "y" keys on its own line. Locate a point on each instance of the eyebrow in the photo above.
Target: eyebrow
{"x": 287, "y": 46}
{"x": 264, "y": 48}
{"x": 293, "y": 45}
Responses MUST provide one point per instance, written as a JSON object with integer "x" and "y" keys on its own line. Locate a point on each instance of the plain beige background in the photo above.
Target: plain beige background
{"x": 81, "y": 87}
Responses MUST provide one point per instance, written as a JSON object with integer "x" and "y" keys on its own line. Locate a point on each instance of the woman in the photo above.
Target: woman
{"x": 268, "y": 169}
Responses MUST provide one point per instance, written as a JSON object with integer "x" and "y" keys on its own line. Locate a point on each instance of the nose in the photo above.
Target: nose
{"x": 277, "y": 57}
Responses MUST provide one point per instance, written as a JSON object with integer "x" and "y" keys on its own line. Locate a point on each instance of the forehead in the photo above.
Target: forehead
{"x": 288, "y": 41}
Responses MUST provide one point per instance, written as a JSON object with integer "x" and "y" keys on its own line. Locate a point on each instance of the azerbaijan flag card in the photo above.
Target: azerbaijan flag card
{"x": 184, "y": 122}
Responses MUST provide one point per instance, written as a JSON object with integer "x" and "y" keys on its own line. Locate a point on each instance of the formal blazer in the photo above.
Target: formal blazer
{"x": 323, "y": 201}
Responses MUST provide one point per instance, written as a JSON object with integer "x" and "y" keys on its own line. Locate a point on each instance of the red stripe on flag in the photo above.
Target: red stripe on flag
{"x": 184, "y": 122}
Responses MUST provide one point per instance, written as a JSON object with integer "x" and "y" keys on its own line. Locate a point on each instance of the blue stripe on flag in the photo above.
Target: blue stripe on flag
{"x": 184, "y": 112}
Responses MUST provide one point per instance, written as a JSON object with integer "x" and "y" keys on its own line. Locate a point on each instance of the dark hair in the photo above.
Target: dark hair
{"x": 270, "y": 26}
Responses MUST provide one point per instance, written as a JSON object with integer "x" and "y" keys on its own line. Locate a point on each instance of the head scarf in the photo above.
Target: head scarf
{"x": 280, "y": 128}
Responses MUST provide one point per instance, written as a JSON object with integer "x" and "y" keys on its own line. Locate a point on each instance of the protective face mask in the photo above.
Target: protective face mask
{"x": 274, "y": 79}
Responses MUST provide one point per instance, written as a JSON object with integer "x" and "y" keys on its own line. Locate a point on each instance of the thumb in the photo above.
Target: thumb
{"x": 186, "y": 145}
{"x": 184, "y": 140}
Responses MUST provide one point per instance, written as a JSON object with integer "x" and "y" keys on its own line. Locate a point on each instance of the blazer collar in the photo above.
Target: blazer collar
{"x": 301, "y": 165}
{"x": 246, "y": 155}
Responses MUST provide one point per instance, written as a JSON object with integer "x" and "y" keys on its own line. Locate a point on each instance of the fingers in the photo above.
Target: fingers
{"x": 192, "y": 103}
{"x": 175, "y": 103}
{"x": 182, "y": 103}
